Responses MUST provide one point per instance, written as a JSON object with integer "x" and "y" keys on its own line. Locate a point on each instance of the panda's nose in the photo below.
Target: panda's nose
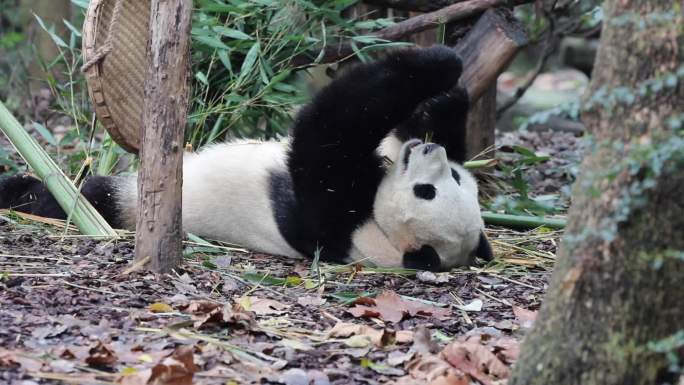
{"x": 429, "y": 148}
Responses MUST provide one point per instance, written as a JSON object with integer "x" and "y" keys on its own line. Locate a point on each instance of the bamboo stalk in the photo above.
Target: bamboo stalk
{"x": 521, "y": 221}
{"x": 82, "y": 213}
{"x": 480, "y": 163}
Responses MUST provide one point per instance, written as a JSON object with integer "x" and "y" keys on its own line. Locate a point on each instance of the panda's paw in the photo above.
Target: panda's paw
{"x": 447, "y": 103}
{"x": 438, "y": 63}
{"x": 12, "y": 188}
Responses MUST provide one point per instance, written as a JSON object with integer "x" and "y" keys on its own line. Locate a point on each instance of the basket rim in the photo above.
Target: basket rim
{"x": 97, "y": 86}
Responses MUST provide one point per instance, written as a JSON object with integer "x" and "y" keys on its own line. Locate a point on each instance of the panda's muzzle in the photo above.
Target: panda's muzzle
{"x": 429, "y": 147}
{"x": 406, "y": 151}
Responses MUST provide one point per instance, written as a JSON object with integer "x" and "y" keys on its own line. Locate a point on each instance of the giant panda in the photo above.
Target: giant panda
{"x": 327, "y": 188}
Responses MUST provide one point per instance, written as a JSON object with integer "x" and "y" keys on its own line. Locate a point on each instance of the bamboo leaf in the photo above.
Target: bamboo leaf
{"x": 232, "y": 33}
{"x": 55, "y": 38}
{"x": 45, "y": 133}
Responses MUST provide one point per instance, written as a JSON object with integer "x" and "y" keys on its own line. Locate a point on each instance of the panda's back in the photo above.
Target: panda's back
{"x": 226, "y": 194}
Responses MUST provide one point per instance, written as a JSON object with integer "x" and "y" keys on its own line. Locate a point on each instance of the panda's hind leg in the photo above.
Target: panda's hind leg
{"x": 25, "y": 193}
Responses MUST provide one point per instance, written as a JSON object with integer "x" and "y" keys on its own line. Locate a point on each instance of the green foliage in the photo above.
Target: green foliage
{"x": 83, "y": 144}
{"x": 244, "y": 80}
{"x": 267, "y": 280}
{"x": 670, "y": 346}
{"x": 244, "y": 83}
{"x": 520, "y": 202}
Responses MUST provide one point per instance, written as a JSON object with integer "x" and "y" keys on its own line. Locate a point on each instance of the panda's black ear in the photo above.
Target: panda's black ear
{"x": 484, "y": 248}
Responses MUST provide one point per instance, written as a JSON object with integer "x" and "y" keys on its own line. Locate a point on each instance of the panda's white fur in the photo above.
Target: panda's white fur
{"x": 450, "y": 223}
{"x": 226, "y": 197}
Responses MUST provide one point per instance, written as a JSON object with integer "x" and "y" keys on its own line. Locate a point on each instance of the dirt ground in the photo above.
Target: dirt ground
{"x": 72, "y": 310}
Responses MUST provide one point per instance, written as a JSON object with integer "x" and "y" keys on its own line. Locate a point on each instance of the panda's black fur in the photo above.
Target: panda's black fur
{"x": 333, "y": 169}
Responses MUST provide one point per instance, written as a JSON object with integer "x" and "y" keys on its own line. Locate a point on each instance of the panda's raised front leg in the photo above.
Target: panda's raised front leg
{"x": 332, "y": 160}
{"x": 442, "y": 120}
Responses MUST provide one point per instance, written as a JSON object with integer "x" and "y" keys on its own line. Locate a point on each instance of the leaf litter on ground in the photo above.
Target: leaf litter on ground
{"x": 268, "y": 327}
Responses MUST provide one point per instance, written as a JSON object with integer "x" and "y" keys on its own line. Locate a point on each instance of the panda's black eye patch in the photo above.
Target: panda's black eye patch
{"x": 457, "y": 177}
{"x": 425, "y": 191}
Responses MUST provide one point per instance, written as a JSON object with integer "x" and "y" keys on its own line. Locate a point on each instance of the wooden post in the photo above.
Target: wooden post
{"x": 159, "y": 227}
{"x": 481, "y": 123}
{"x": 486, "y": 50}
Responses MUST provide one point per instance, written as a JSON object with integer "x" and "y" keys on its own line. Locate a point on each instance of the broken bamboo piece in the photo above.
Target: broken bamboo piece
{"x": 80, "y": 212}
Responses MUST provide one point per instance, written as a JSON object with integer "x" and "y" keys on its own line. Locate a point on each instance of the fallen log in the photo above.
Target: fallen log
{"x": 488, "y": 48}
{"x": 396, "y": 32}
{"x": 414, "y": 5}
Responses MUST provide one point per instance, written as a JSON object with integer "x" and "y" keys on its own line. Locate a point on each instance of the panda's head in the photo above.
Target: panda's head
{"x": 428, "y": 208}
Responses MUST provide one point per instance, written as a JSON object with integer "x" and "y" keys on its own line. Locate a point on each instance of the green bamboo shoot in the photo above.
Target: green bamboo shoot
{"x": 521, "y": 221}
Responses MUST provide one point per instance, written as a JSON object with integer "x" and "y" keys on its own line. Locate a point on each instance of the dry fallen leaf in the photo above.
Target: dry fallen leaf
{"x": 422, "y": 341}
{"x": 311, "y": 300}
{"x": 178, "y": 369}
{"x": 508, "y": 349}
{"x": 159, "y": 307}
{"x": 297, "y": 376}
{"x": 263, "y": 306}
{"x": 526, "y": 317}
{"x": 430, "y": 277}
{"x": 101, "y": 355}
{"x": 424, "y": 369}
{"x": 206, "y": 313}
{"x": 389, "y": 306}
{"x": 451, "y": 379}
{"x": 132, "y": 376}
{"x": 476, "y": 305}
{"x": 377, "y": 337}
{"x": 9, "y": 358}
{"x": 475, "y": 360}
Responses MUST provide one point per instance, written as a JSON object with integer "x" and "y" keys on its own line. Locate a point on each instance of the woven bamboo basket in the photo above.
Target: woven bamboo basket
{"x": 115, "y": 35}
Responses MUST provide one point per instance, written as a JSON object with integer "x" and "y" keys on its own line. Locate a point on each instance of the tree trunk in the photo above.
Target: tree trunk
{"x": 616, "y": 289}
{"x": 52, "y": 13}
{"x": 488, "y": 49}
{"x": 159, "y": 227}
{"x": 482, "y": 123}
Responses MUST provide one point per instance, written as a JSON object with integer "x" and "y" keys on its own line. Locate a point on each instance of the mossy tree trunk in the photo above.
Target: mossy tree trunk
{"x": 615, "y": 306}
